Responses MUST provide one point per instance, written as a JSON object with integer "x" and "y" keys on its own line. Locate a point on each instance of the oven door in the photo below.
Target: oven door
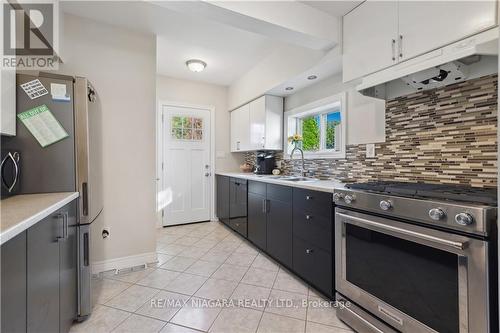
{"x": 414, "y": 278}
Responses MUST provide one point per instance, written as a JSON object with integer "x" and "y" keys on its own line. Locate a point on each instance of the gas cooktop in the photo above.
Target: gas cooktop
{"x": 487, "y": 196}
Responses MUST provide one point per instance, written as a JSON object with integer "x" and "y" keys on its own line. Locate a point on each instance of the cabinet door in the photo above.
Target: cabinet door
{"x": 370, "y": 37}
{"x": 279, "y": 230}
{"x": 223, "y": 199}
{"x": 8, "y": 102}
{"x": 43, "y": 274}
{"x": 425, "y": 26}
{"x": 240, "y": 129}
{"x": 68, "y": 270}
{"x": 257, "y": 219}
{"x": 238, "y": 205}
{"x": 257, "y": 109}
{"x": 13, "y": 293}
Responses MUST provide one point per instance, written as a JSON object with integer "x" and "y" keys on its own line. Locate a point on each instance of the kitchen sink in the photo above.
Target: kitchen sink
{"x": 299, "y": 179}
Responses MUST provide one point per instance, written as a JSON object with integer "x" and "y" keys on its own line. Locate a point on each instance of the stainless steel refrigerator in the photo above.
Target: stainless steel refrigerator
{"x": 71, "y": 164}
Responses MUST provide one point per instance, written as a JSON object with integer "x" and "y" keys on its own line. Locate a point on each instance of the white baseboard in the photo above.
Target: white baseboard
{"x": 124, "y": 262}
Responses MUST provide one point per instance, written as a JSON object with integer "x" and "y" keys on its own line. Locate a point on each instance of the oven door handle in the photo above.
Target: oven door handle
{"x": 429, "y": 238}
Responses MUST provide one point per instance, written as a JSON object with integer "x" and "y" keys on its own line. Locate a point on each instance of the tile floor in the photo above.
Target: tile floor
{"x": 211, "y": 280}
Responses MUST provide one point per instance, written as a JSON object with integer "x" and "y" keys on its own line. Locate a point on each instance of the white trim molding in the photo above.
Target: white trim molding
{"x": 337, "y": 100}
{"x": 124, "y": 262}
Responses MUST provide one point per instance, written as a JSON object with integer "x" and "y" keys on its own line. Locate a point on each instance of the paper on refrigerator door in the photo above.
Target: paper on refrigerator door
{"x": 58, "y": 92}
{"x": 43, "y": 125}
{"x": 34, "y": 89}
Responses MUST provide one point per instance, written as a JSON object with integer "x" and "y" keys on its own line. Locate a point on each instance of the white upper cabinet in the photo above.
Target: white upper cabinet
{"x": 258, "y": 125}
{"x": 8, "y": 102}
{"x": 370, "y": 37}
{"x": 379, "y": 34}
{"x": 425, "y": 26}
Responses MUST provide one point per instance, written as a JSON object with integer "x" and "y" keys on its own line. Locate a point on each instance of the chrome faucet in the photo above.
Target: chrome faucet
{"x": 304, "y": 172}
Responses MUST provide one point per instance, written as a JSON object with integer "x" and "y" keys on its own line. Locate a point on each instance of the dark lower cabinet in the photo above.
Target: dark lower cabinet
{"x": 13, "y": 292}
{"x": 257, "y": 219}
{"x": 222, "y": 183}
{"x": 238, "y": 205}
{"x": 314, "y": 265}
{"x": 39, "y": 275}
{"x": 279, "y": 223}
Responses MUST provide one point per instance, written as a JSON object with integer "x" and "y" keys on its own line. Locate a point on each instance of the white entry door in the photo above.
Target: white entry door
{"x": 186, "y": 165}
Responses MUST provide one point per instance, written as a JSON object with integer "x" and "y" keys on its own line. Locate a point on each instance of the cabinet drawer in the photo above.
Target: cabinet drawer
{"x": 257, "y": 187}
{"x": 316, "y": 229}
{"x": 279, "y": 192}
{"x": 318, "y": 203}
{"x": 313, "y": 265}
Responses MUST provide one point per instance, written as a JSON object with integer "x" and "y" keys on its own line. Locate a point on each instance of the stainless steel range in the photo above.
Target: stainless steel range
{"x": 415, "y": 257}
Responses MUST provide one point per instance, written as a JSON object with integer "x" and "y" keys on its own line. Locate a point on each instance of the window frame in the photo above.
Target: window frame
{"x": 318, "y": 107}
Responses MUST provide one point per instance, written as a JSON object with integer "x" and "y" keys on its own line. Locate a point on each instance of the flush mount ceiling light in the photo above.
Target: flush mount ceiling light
{"x": 312, "y": 77}
{"x": 196, "y": 65}
{"x": 289, "y": 88}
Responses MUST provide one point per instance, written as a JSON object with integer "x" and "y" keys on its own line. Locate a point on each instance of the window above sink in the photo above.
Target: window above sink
{"x": 322, "y": 125}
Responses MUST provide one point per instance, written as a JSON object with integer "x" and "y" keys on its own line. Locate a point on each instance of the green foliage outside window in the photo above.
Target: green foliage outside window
{"x": 310, "y": 133}
{"x": 330, "y": 134}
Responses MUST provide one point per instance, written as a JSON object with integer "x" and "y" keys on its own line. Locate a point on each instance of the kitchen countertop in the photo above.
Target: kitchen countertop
{"x": 20, "y": 212}
{"x": 316, "y": 185}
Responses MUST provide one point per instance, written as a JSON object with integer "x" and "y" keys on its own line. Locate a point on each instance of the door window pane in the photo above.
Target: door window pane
{"x": 187, "y": 128}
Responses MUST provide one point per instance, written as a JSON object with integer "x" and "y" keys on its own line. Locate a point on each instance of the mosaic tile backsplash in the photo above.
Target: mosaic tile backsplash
{"x": 446, "y": 135}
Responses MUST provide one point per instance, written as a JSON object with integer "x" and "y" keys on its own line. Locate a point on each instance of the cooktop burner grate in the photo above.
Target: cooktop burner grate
{"x": 487, "y": 196}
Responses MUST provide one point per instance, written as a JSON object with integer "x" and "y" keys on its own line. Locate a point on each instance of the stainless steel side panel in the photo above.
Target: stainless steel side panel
{"x": 84, "y": 273}
{"x": 472, "y": 269}
{"x": 88, "y": 132}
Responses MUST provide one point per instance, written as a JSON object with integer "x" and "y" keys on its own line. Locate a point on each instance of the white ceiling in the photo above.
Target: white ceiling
{"x": 335, "y": 8}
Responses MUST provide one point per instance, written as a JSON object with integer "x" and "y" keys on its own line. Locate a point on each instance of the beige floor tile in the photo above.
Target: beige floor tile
{"x": 203, "y": 268}
{"x": 216, "y": 289}
{"x": 171, "y": 249}
{"x": 205, "y": 243}
{"x": 158, "y": 279}
{"x": 323, "y": 312}
{"x": 236, "y": 320}
{"x": 187, "y": 240}
{"x": 139, "y": 324}
{"x": 287, "y": 304}
{"x": 264, "y": 262}
{"x": 163, "y": 306}
{"x": 196, "y": 314}
{"x": 103, "y": 319}
{"x": 215, "y": 236}
{"x": 246, "y": 248}
{"x": 230, "y": 272}
{"x": 216, "y": 256}
{"x": 287, "y": 282}
{"x": 193, "y": 252}
{"x": 241, "y": 259}
{"x": 251, "y": 296}
{"x": 318, "y": 328}
{"x": 186, "y": 283}
{"x": 226, "y": 247}
{"x": 105, "y": 289}
{"x": 132, "y": 276}
{"x": 167, "y": 239}
{"x": 162, "y": 258}
{"x": 259, "y": 277}
{"x": 171, "y": 328}
{"x": 132, "y": 298}
{"x": 178, "y": 264}
{"x": 271, "y": 323}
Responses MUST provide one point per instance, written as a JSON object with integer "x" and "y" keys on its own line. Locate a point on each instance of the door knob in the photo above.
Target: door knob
{"x": 207, "y": 174}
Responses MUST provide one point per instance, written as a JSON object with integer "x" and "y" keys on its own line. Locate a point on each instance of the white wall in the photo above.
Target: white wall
{"x": 203, "y": 94}
{"x": 365, "y": 115}
{"x": 122, "y": 67}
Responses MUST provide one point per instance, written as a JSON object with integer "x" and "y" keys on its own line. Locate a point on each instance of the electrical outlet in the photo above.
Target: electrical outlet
{"x": 370, "y": 150}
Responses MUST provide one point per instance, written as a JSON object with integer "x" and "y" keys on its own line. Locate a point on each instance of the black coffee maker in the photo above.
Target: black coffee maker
{"x": 265, "y": 163}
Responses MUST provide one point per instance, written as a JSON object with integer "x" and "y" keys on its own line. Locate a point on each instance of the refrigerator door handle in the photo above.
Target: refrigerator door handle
{"x": 85, "y": 199}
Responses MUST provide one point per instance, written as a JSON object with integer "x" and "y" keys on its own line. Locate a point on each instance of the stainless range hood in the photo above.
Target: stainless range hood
{"x": 466, "y": 59}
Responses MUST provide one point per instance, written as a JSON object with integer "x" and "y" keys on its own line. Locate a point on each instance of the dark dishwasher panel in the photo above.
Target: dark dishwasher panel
{"x": 238, "y": 205}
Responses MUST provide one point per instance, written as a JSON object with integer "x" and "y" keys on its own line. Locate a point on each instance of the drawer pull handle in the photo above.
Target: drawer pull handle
{"x": 308, "y": 217}
{"x": 309, "y": 251}
{"x": 308, "y": 197}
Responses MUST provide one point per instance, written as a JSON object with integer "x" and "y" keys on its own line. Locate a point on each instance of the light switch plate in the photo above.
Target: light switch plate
{"x": 370, "y": 150}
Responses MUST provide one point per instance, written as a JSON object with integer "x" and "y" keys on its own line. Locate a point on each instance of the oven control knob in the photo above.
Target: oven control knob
{"x": 337, "y": 196}
{"x": 464, "y": 219}
{"x": 437, "y": 214}
{"x": 349, "y": 198}
{"x": 385, "y": 205}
